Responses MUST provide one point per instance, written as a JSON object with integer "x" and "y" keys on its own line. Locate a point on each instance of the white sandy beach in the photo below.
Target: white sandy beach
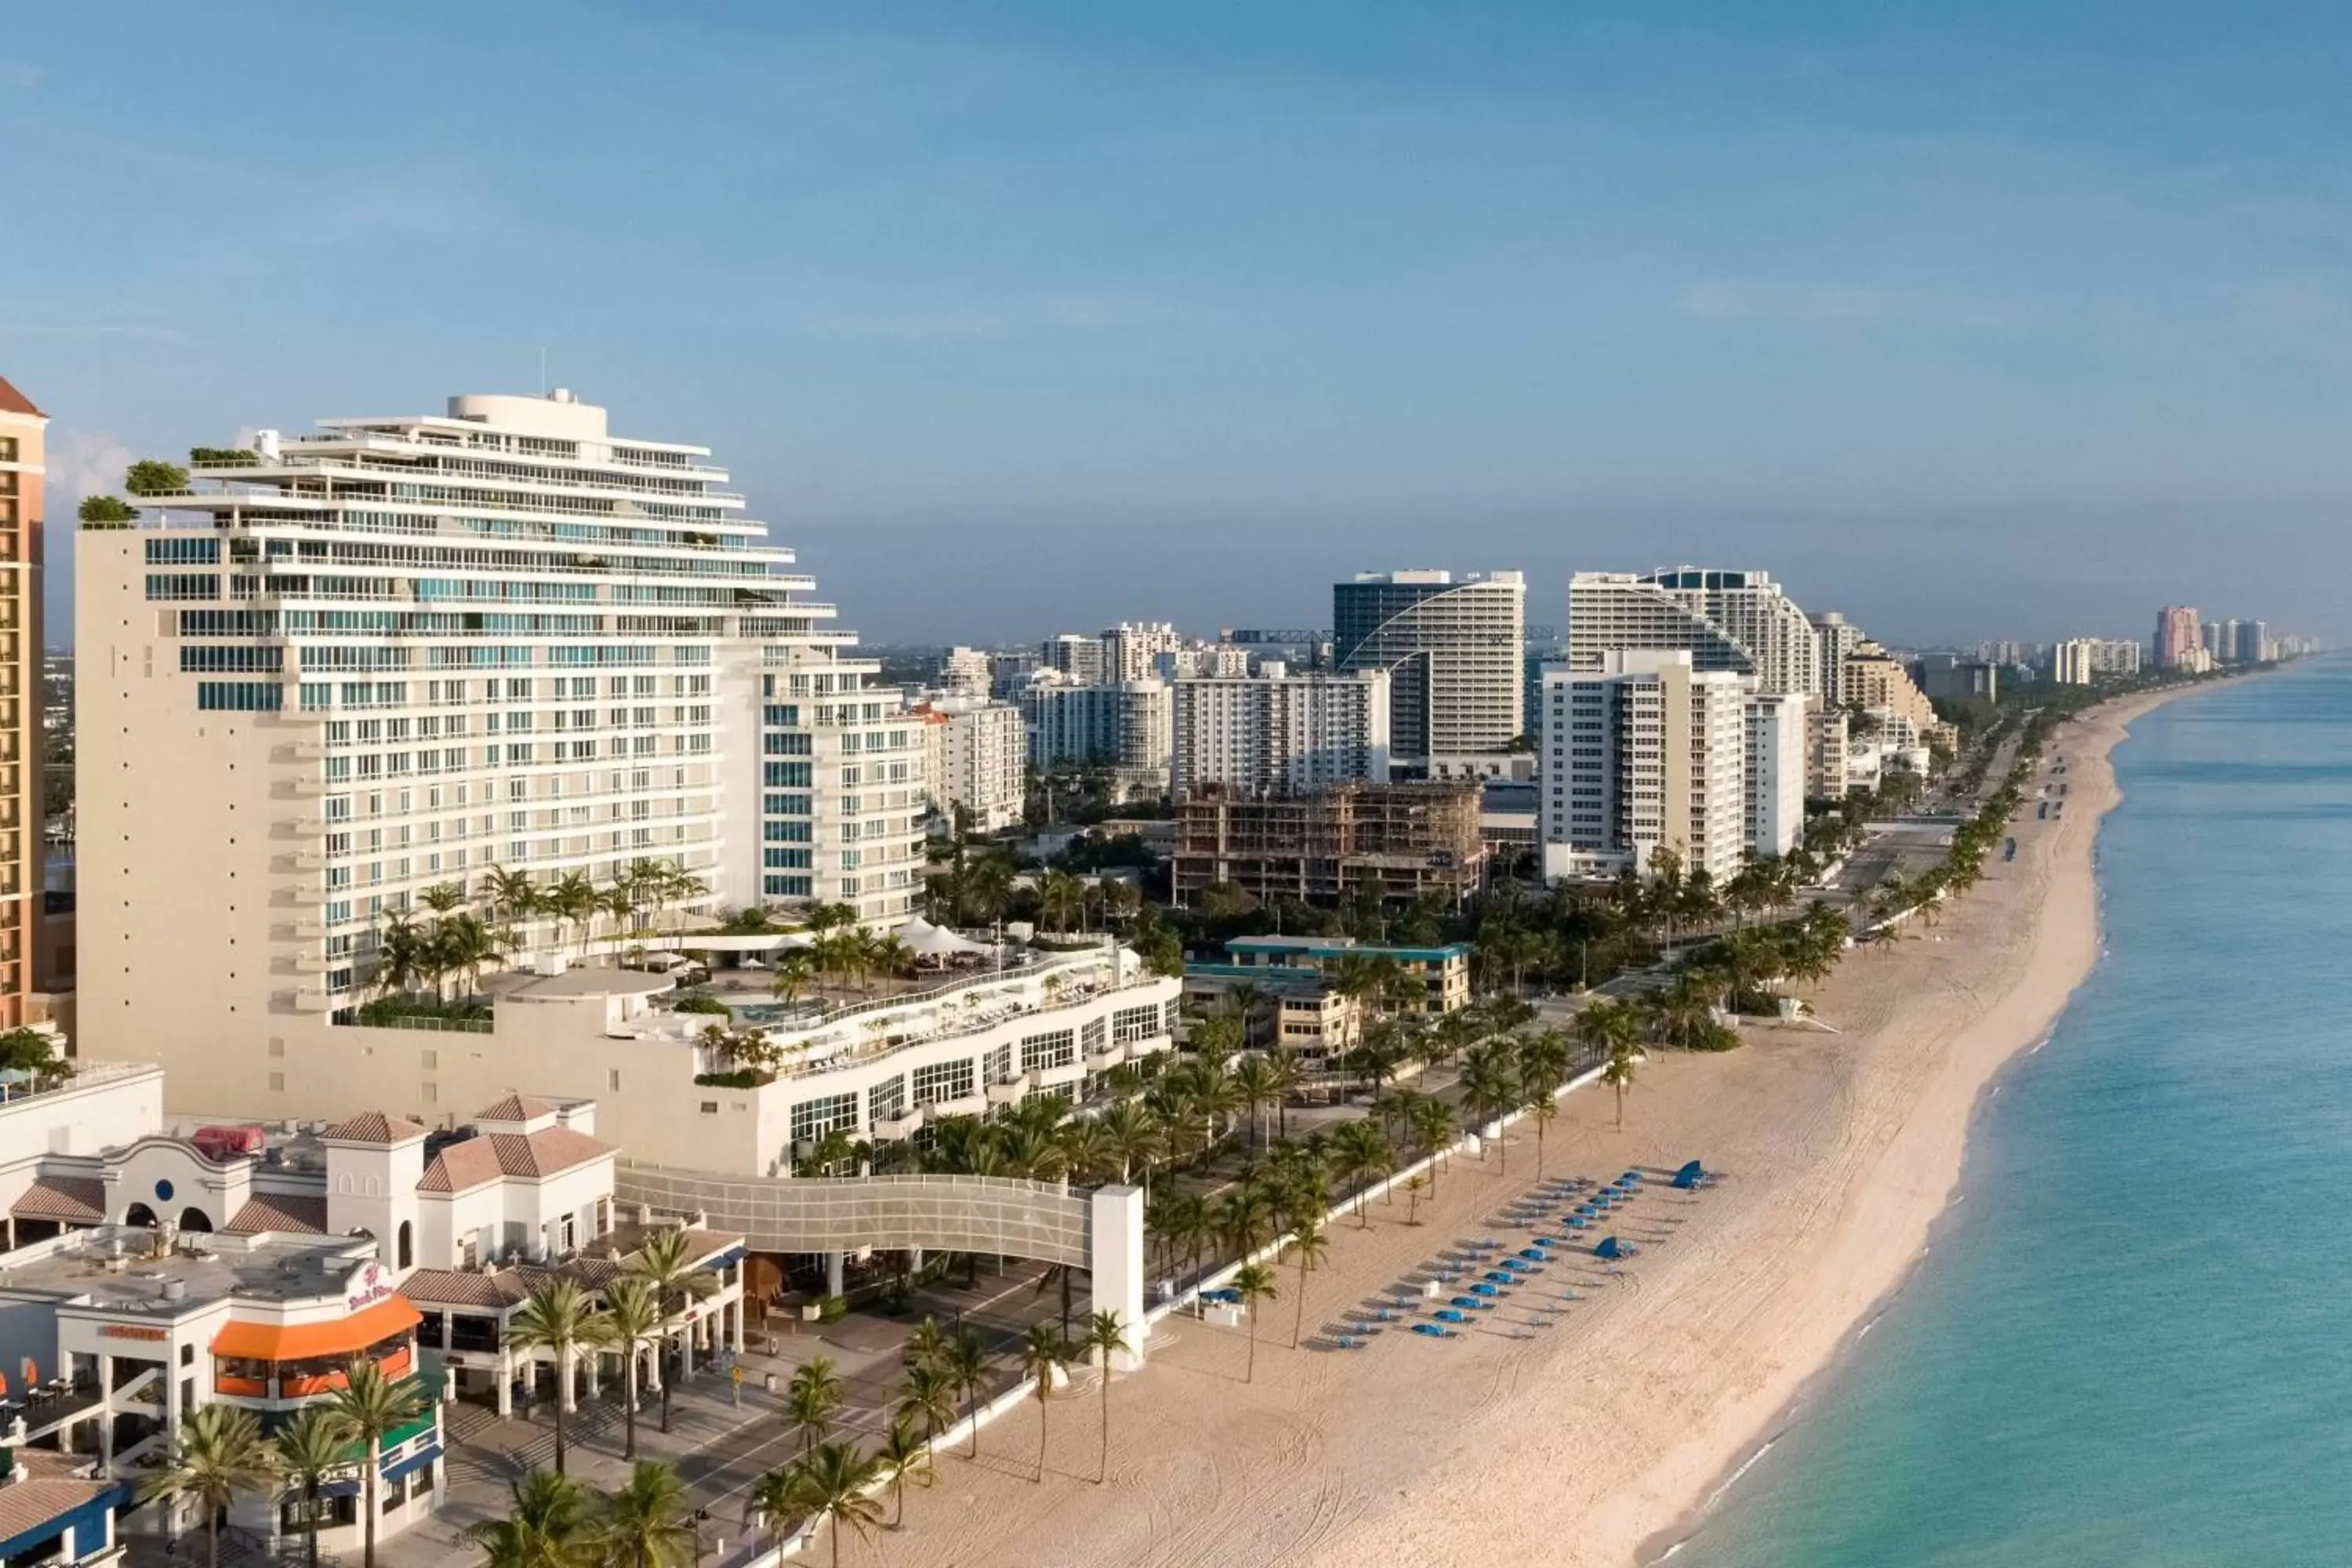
{"x": 1589, "y": 1441}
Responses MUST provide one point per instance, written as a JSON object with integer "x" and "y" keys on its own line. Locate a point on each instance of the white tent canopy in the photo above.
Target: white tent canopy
{"x": 929, "y": 941}
{"x": 765, "y": 941}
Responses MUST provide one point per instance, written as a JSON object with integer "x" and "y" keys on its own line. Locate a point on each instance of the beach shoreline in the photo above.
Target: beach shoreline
{"x": 2076, "y": 863}
{"x": 1603, "y": 1438}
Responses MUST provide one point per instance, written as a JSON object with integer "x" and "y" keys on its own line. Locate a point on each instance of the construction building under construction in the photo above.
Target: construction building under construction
{"x": 1408, "y": 840}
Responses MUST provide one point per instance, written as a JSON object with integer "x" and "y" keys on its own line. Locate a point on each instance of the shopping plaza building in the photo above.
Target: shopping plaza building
{"x": 150, "y": 1275}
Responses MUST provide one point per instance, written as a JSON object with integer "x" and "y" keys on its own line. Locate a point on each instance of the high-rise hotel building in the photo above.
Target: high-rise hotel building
{"x": 22, "y": 427}
{"x": 1455, "y": 652}
{"x": 407, "y": 651}
{"x": 1737, "y": 621}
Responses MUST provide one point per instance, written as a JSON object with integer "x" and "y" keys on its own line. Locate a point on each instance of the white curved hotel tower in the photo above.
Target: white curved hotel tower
{"x": 350, "y": 667}
{"x": 1737, "y": 621}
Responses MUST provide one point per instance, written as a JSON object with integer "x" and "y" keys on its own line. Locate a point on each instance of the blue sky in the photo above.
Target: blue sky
{"x": 2017, "y": 322}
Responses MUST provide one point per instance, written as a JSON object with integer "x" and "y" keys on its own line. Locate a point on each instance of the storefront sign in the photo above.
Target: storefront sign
{"x": 131, "y": 1331}
{"x": 370, "y": 1286}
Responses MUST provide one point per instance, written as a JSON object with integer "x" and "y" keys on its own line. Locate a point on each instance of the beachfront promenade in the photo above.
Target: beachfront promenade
{"x": 1839, "y": 1150}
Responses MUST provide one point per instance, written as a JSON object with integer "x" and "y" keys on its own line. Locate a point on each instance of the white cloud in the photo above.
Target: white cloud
{"x": 17, "y": 74}
{"x": 83, "y": 463}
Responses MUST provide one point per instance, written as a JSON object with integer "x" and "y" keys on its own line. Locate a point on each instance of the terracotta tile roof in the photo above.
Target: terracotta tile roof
{"x": 461, "y": 1167}
{"x": 76, "y": 1200}
{"x": 547, "y": 1151}
{"x": 375, "y": 1127}
{"x": 14, "y": 402}
{"x": 456, "y": 1288}
{"x": 515, "y": 1108}
{"x": 280, "y": 1212}
{"x": 588, "y": 1273}
{"x": 50, "y": 1486}
{"x": 504, "y": 1287}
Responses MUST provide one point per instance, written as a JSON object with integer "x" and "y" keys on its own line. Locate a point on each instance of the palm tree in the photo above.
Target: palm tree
{"x": 906, "y": 1453}
{"x": 1105, "y": 1337}
{"x": 833, "y": 1483}
{"x": 1043, "y": 1352}
{"x": 313, "y": 1447}
{"x": 1603, "y": 1023}
{"x": 1253, "y": 1079}
{"x": 1247, "y": 1219}
{"x": 645, "y": 1523}
{"x": 1060, "y": 898}
{"x": 555, "y": 1318}
{"x": 400, "y": 954}
{"x": 1084, "y": 1147}
{"x": 1619, "y": 1075}
{"x": 813, "y": 1400}
{"x": 929, "y": 1393}
{"x": 794, "y": 968}
{"x": 1253, "y": 1282}
{"x": 1310, "y": 1246}
{"x": 545, "y": 1526}
{"x": 925, "y": 1345}
{"x": 1361, "y": 1149}
{"x": 1132, "y": 1135}
{"x": 1433, "y": 1129}
{"x": 633, "y": 1321}
{"x": 776, "y": 1497}
{"x": 666, "y": 1263}
{"x": 966, "y": 1361}
{"x": 1415, "y": 1187}
{"x": 463, "y": 942}
{"x": 374, "y": 1406}
{"x": 219, "y": 1453}
{"x": 1489, "y": 1089}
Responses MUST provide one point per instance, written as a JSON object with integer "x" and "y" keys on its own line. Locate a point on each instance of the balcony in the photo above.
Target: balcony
{"x": 1105, "y": 1058}
{"x": 898, "y": 1129}
{"x": 1009, "y": 1092}
{"x": 311, "y": 1001}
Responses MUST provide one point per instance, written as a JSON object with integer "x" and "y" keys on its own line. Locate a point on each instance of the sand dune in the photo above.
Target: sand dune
{"x": 1582, "y": 1442}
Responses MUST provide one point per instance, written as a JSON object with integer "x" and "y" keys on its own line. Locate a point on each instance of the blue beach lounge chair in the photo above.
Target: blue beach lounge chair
{"x": 1433, "y": 1331}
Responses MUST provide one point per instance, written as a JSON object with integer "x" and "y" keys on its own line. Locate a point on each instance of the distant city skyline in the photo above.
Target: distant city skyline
{"x": 2005, "y": 323}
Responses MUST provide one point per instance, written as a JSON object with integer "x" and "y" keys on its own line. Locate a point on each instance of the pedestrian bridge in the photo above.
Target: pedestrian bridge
{"x": 1100, "y": 1231}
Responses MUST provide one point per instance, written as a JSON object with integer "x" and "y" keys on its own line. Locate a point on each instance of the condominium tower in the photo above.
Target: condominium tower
{"x": 22, "y": 427}
{"x": 1122, "y": 727}
{"x": 2178, "y": 636}
{"x": 409, "y": 651}
{"x": 1277, "y": 733}
{"x": 1453, "y": 652}
{"x": 1646, "y": 752}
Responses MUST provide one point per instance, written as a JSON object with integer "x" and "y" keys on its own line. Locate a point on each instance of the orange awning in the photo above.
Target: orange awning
{"x": 307, "y": 1341}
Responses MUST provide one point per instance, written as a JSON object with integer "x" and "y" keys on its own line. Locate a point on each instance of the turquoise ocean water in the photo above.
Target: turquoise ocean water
{"x": 2131, "y": 1342}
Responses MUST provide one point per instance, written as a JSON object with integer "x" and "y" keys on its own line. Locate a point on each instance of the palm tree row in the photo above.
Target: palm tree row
{"x": 461, "y": 941}
{"x": 220, "y": 1454}
{"x": 641, "y": 1313}
{"x": 552, "y": 1521}
{"x": 831, "y": 1481}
